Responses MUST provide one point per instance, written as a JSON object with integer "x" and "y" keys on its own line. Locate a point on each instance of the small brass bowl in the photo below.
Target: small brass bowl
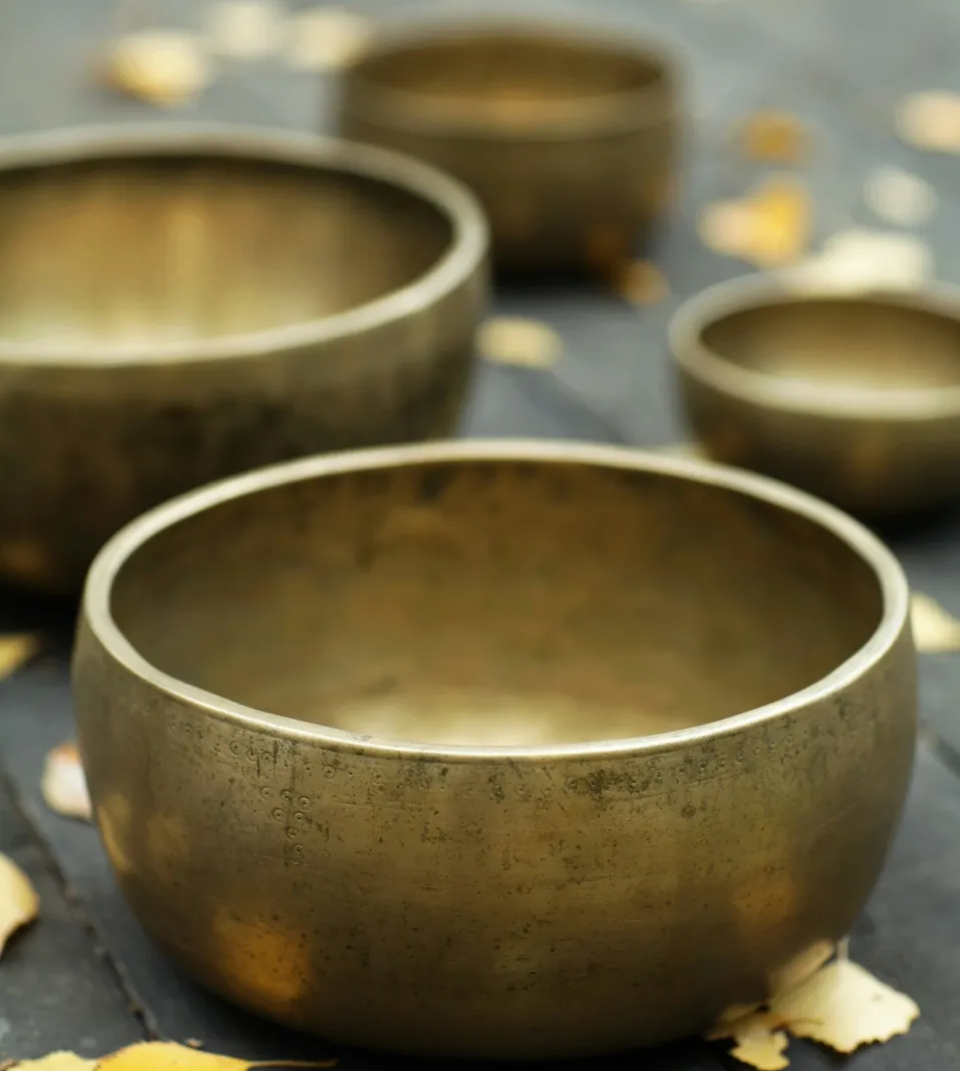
{"x": 180, "y": 304}
{"x": 496, "y": 749}
{"x": 567, "y": 137}
{"x": 855, "y": 397}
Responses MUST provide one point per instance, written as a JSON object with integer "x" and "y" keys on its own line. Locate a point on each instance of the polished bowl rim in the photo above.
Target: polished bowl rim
{"x": 97, "y": 593}
{"x": 598, "y": 114}
{"x": 461, "y": 258}
{"x": 750, "y": 292}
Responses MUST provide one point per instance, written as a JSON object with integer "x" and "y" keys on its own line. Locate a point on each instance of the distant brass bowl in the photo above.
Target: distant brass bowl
{"x": 180, "y": 304}
{"x": 496, "y": 750}
{"x": 853, "y": 397}
{"x": 568, "y": 138}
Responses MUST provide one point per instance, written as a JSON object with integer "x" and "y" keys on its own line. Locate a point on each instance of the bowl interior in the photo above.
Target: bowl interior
{"x": 169, "y": 249}
{"x": 509, "y": 76}
{"x": 842, "y": 343}
{"x": 498, "y": 603}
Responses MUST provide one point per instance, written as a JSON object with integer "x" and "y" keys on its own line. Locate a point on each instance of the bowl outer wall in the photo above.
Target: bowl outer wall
{"x": 544, "y": 906}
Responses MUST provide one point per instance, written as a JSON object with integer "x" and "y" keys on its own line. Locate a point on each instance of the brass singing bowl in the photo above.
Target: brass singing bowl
{"x": 567, "y": 137}
{"x": 178, "y": 304}
{"x": 500, "y": 750}
{"x": 855, "y": 397}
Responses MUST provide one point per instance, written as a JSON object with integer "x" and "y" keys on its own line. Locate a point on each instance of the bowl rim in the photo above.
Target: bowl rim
{"x": 596, "y": 115}
{"x": 464, "y": 255}
{"x": 97, "y": 614}
{"x": 751, "y": 292}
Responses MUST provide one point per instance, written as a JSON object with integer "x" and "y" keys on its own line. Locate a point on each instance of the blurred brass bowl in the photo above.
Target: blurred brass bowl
{"x": 180, "y": 304}
{"x": 567, "y": 137}
{"x": 496, "y": 750}
{"x": 853, "y": 397}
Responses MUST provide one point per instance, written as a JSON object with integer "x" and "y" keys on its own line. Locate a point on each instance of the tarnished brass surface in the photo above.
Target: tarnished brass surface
{"x": 568, "y": 138}
{"x": 471, "y": 844}
{"x": 853, "y": 397}
{"x": 180, "y": 304}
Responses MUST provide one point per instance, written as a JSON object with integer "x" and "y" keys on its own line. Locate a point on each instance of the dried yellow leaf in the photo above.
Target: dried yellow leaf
{"x": 245, "y": 29}
{"x": 781, "y": 222}
{"x": 641, "y": 283}
{"x": 19, "y": 903}
{"x": 515, "y": 340}
{"x": 727, "y": 227}
{"x": 773, "y": 137}
{"x": 327, "y": 38}
{"x": 841, "y": 1005}
{"x": 930, "y": 121}
{"x": 56, "y": 1061}
{"x": 935, "y": 631}
{"x": 169, "y": 1056}
{"x": 759, "y": 1040}
{"x": 770, "y": 228}
{"x": 164, "y": 67}
{"x": 844, "y": 1006}
{"x": 15, "y": 651}
{"x": 63, "y": 785}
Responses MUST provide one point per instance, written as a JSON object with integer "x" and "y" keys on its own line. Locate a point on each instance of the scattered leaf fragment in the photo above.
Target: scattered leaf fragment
{"x": 930, "y": 121}
{"x": 899, "y": 197}
{"x": 935, "y": 631}
{"x": 769, "y": 228}
{"x": 759, "y": 1040}
{"x": 858, "y": 259}
{"x": 169, "y": 1056}
{"x": 16, "y": 650}
{"x": 841, "y": 1006}
{"x": 773, "y": 137}
{"x": 245, "y": 29}
{"x": 56, "y": 1061}
{"x": 193, "y": 1043}
{"x": 63, "y": 785}
{"x": 515, "y": 340}
{"x": 325, "y": 38}
{"x": 167, "y": 68}
{"x": 844, "y": 1006}
{"x": 19, "y": 903}
{"x": 641, "y": 282}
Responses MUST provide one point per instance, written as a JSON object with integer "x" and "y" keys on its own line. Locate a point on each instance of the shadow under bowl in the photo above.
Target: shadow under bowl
{"x": 178, "y": 304}
{"x": 855, "y": 397}
{"x": 567, "y": 137}
{"x": 496, "y": 750}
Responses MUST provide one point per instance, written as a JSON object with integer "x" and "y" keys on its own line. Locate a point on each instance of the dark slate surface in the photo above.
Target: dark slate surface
{"x": 87, "y": 978}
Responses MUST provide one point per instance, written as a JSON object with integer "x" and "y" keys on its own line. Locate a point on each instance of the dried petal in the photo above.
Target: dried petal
{"x": 245, "y": 28}
{"x": 930, "y": 121}
{"x": 19, "y": 903}
{"x": 781, "y": 222}
{"x": 855, "y": 260}
{"x": 56, "y": 1061}
{"x": 727, "y": 227}
{"x": 899, "y": 197}
{"x": 63, "y": 785}
{"x": 16, "y": 651}
{"x": 327, "y": 38}
{"x": 164, "y": 67}
{"x": 844, "y": 1006}
{"x": 641, "y": 283}
{"x": 515, "y": 340}
{"x": 935, "y": 631}
{"x": 773, "y": 137}
{"x": 169, "y": 1056}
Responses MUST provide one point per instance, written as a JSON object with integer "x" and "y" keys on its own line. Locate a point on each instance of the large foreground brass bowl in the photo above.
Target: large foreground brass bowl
{"x": 853, "y": 397}
{"x": 567, "y": 137}
{"x": 179, "y": 304}
{"x": 503, "y": 750}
